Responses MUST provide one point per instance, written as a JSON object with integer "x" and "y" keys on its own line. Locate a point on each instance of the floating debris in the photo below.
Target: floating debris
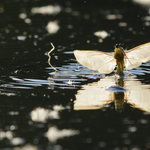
{"x": 27, "y": 147}
{"x": 52, "y": 27}
{"x": 7, "y": 134}
{"x": 17, "y": 141}
{"x": 48, "y": 10}
{"x": 21, "y": 38}
{"x": 114, "y": 16}
{"x": 122, "y": 24}
{"x": 53, "y": 133}
{"x": 22, "y": 16}
{"x": 102, "y": 34}
{"x": 41, "y": 114}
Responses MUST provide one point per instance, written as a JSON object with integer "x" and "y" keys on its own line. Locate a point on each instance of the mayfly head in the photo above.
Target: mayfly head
{"x": 119, "y": 47}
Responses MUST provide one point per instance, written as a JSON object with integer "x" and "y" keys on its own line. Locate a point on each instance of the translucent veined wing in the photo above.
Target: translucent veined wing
{"x": 96, "y": 60}
{"x": 137, "y": 56}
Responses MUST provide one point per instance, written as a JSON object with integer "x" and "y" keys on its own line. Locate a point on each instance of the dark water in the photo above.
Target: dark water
{"x": 41, "y": 109}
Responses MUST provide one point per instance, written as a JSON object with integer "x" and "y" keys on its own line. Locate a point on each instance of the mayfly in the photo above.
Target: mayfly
{"x": 105, "y": 63}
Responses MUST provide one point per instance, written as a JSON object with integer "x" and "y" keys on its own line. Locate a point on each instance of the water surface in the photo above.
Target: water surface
{"x": 44, "y": 109}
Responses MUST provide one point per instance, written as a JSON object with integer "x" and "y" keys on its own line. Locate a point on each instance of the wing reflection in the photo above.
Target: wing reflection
{"x": 138, "y": 95}
{"x": 97, "y": 94}
{"x": 94, "y": 95}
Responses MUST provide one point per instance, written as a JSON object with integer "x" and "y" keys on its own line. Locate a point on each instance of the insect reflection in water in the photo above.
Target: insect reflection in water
{"x": 97, "y": 95}
{"x": 105, "y": 63}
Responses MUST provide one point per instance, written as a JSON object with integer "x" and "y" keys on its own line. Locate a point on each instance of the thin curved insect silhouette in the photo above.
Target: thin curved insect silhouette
{"x": 105, "y": 63}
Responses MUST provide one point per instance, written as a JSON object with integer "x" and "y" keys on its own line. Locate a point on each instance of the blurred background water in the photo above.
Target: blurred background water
{"x": 41, "y": 109}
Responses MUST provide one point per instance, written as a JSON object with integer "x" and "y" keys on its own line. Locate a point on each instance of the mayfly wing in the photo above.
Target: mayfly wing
{"x": 138, "y": 55}
{"x": 96, "y": 60}
{"x": 131, "y": 62}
